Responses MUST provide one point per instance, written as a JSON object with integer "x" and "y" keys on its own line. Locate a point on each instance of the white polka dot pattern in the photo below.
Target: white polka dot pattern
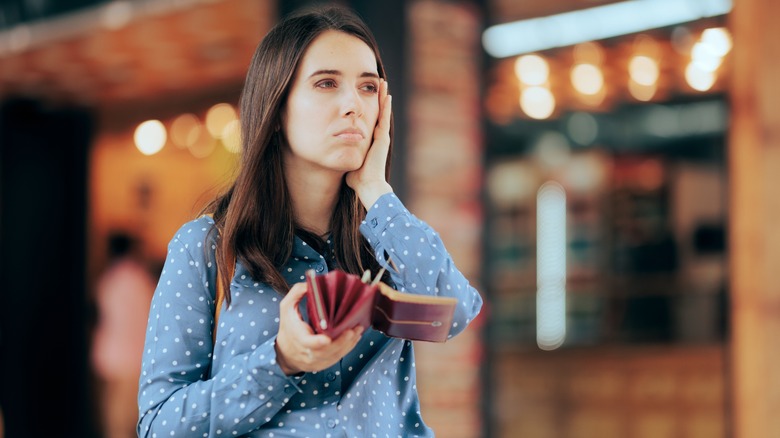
{"x": 188, "y": 390}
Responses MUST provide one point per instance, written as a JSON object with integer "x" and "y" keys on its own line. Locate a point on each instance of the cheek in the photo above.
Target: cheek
{"x": 300, "y": 123}
{"x": 302, "y": 108}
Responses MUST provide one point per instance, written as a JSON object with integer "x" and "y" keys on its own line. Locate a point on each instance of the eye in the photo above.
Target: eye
{"x": 326, "y": 83}
{"x": 370, "y": 87}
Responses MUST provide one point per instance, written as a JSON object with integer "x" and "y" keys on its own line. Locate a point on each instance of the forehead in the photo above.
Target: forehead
{"x": 334, "y": 50}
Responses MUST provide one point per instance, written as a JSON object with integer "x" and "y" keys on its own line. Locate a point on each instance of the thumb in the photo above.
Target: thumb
{"x": 294, "y": 296}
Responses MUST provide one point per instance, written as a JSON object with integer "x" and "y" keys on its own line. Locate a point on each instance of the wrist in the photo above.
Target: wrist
{"x": 287, "y": 369}
{"x": 370, "y": 192}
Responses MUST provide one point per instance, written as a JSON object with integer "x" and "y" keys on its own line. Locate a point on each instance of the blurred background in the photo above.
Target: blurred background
{"x": 605, "y": 172}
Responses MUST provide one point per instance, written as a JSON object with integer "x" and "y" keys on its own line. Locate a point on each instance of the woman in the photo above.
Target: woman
{"x": 311, "y": 193}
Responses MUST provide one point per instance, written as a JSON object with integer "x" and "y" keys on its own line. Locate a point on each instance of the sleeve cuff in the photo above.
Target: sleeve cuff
{"x": 265, "y": 366}
{"x": 382, "y": 213}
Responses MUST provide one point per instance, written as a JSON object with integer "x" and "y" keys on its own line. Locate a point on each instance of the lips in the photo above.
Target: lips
{"x": 350, "y": 134}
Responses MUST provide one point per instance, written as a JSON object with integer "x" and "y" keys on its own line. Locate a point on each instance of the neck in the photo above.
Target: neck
{"x": 314, "y": 196}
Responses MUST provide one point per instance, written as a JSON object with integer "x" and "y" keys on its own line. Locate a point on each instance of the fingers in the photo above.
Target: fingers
{"x": 293, "y": 297}
{"x": 382, "y": 130}
{"x": 299, "y": 355}
{"x": 369, "y": 180}
{"x": 325, "y": 356}
{"x": 291, "y": 318}
{"x": 298, "y": 348}
{"x": 293, "y": 339}
{"x": 376, "y": 158}
{"x": 347, "y": 341}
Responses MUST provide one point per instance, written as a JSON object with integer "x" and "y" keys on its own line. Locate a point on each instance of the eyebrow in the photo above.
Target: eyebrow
{"x": 339, "y": 73}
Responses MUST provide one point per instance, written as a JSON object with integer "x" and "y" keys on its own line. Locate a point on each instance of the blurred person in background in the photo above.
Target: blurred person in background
{"x": 122, "y": 297}
{"x": 311, "y": 193}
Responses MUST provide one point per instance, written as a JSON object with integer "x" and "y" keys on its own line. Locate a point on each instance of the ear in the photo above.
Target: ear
{"x": 281, "y": 120}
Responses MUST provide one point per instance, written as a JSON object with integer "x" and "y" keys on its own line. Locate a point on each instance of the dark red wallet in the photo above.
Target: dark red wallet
{"x": 338, "y": 301}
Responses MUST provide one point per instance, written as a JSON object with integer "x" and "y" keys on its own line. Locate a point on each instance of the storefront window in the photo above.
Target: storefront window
{"x": 626, "y": 335}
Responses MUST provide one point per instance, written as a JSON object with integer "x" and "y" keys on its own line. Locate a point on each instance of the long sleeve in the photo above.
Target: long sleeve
{"x": 179, "y": 394}
{"x": 416, "y": 250}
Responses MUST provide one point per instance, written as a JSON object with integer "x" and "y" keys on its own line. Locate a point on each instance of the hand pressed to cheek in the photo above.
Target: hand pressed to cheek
{"x": 369, "y": 181}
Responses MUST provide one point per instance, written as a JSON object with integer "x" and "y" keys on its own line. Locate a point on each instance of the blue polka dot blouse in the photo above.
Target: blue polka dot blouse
{"x": 190, "y": 387}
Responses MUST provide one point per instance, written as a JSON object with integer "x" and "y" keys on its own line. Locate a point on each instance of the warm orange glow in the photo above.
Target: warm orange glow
{"x": 203, "y": 146}
{"x": 646, "y": 46}
{"x": 641, "y": 92}
{"x": 588, "y": 53}
{"x": 217, "y": 117}
{"x": 231, "y": 136}
{"x": 185, "y": 130}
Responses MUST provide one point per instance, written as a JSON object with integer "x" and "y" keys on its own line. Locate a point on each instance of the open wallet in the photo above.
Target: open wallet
{"x": 339, "y": 301}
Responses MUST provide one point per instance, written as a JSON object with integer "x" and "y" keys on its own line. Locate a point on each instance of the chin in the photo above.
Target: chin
{"x": 350, "y": 167}
{"x": 349, "y": 162}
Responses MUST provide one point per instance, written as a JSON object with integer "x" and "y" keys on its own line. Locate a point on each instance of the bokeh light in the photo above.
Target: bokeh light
{"x": 150, "y": 137}
{"x": 532, "y": 70}
{"x": 231, "y": 136}
{"x": 551, "y": 266}
{"x": 699, "y": 79}
{"x": 185, "y": 130}
{"x": 643, "y": 70}
{"x": 217, "y": 117}
{"x": 718, "y": 39}
{"x": 705, "y": 57}
{"x": 537, "y": 102}
{"x": 587, "y": 79}
{"x": 641, "y": 92}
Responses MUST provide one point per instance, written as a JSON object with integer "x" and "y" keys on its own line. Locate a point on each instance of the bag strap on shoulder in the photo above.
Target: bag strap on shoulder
{"x": 218, "y": 307}
{"x": 219, "y": 296}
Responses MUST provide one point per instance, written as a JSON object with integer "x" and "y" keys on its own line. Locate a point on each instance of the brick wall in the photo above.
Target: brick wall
{"x": 444, "y": 179}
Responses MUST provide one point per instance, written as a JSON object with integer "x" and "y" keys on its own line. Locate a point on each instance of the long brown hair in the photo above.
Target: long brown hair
{"x": 254, "y": 217}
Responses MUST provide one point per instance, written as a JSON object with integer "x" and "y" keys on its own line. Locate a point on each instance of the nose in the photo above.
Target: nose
{"x": 352, "y": 105}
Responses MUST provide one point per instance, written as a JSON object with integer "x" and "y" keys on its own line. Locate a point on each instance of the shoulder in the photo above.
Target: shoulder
{"x": 196, "y": 233}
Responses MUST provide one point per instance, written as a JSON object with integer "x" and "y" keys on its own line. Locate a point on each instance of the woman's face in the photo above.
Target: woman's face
{"x": 333, "y": 105}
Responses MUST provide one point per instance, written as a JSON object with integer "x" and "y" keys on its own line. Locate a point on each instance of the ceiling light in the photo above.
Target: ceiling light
{"x": 532, "y": 70}
{"x": 596, "y": 23}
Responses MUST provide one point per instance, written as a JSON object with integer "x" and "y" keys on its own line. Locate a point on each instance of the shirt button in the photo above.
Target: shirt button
{"x": 331, "y": 423}
{"x": 330, "y": 376}
{"x": 320, "y": 268}
{"x": 374, "y": 222}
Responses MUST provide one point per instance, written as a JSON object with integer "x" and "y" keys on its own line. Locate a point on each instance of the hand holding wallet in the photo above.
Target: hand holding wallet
{"x": 338, "y": 301}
